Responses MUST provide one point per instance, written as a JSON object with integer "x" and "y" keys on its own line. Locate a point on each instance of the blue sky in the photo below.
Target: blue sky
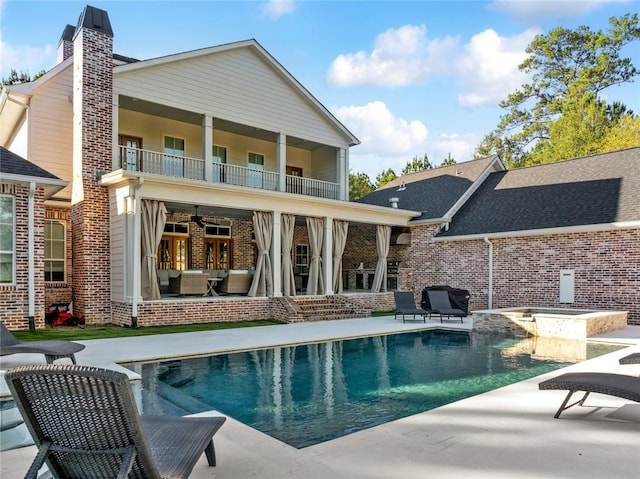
{"x": 406, "y": 77}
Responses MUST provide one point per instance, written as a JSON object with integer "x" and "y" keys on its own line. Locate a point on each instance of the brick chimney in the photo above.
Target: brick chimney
{"x": 92, "y": 156}
{"x": 65, "y": 45}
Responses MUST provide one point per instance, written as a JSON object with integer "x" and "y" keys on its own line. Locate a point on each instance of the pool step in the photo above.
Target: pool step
{"x": 320, "y": 308}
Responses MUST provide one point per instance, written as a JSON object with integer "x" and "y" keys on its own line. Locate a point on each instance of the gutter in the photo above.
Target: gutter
{"x": 136, "y": 253}
{"x": 619, "y": 225}
{"x": 31, "y": 287}
{"x": 490, "y": 279}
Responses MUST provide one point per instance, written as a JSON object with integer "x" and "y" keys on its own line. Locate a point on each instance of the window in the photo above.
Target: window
{"x": 174, "y": 152}
{"x": 256, "y": 167}
{"x": 7, "y": 238}
{"x": 219, "y": 159}
{"x": 54, "y": 250}
{"x": 302, "y": 258}
{"x": 173, "y": 252}
{"x": 216, "y": 253}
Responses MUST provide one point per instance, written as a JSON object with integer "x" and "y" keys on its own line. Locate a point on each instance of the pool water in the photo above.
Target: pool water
{"x": 307, "y": 394}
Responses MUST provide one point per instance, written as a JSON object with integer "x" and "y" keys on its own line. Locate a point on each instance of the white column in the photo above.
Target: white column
{"x": 343, "y": 174}
{"x": 115, "y": 155}
{"x": 281, "y": 161}
{"x": 327, "y": 256}
{"x": 276, "y": 254}
{"x": 207, "y": 146}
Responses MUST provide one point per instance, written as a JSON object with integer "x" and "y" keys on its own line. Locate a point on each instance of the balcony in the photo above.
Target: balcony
{"x": 153, "y": 162}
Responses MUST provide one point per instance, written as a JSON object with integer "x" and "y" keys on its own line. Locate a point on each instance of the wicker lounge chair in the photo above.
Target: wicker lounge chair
{"x": 85, "y": 423}
{"x": 633, "y": 358}
{"x": 441, "y": 305}
{"x": 406, "y": 306}
{"x": 52, "y": 349}
{"x": 618, "y": 385}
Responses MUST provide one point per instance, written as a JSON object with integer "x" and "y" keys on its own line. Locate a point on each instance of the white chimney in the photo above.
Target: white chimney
{"x": 394, "y": 201}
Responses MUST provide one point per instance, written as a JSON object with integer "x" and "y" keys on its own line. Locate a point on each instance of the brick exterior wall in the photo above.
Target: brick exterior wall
{"x": 15, "y": 298}
{"x": 92, "y": 156}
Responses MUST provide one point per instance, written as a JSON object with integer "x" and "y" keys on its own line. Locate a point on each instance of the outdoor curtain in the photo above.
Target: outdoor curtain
{"x": 288, "y": 278}
{"x": 262, "y": 284}
{"x": 153, "y": 217}
{"x": 383, "y": 238}
{"x": 339, "y": 241}
{"x": 315, "y": 229}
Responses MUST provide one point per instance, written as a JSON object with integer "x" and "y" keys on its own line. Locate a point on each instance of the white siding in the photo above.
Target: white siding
{"x": 235, "y": 85}
{"x": 51, "y": 129}
{"x": 117, "y": 233}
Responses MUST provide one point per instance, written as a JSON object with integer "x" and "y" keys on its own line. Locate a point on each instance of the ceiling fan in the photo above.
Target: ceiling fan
{"x": 197, "y": 219}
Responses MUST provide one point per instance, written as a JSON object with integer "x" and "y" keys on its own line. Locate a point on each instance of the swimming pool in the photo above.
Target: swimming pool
{"x": 311, "y": 393}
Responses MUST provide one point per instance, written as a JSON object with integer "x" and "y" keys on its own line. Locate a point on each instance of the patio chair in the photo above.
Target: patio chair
{"x": 633, "y": 358}
{"x": 85, "y": 423}
{"x": 441, "y": 305}
{"x": 618, "y": 385}
{"x": 406, "y": 305}
{"x": 52, "y": 349}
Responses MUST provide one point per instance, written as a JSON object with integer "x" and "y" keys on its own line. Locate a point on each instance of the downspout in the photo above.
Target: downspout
{"x": 135, "y": 276}
{"x": 490, "y": 266}
{"x": 31, "y": 279}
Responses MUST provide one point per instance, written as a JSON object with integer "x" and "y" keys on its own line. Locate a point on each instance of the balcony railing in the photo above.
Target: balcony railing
{"x": 146, "y": 161}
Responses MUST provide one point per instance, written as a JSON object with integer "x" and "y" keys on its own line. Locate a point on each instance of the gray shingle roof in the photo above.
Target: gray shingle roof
{"x": 594, "y": 190}
{"x": 433, "y": 192}
{"x": 12, "y": 164}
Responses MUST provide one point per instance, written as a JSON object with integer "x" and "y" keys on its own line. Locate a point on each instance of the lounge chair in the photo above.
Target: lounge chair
{"x": 441, "y": 305}
{"x": 618, "y": 385}
{"x": 633, "y": 358}
{"x": 85, "y": 423}
{"x": 52, "y": 349}
{"x": 406, "y": 305}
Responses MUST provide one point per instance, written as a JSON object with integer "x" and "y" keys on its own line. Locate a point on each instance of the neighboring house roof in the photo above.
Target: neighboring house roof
{"x": 600, "y": 190}
{"x": 15, "y": 169}
{"x": 437, "y": 192}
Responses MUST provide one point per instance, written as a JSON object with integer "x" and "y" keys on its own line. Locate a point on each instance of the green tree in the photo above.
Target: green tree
{"x": 417, "y": 164}
{"x": 23, "y": 77}
{"x": 385, "y": 177}
{"x": 624, "y": 134}
{"x": 448, "y": 161}
{"x": 556, "y": 61}
{"x": 359, "y": 186}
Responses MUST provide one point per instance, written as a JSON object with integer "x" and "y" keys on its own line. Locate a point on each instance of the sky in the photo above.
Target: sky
{"x": 407, "y": 78}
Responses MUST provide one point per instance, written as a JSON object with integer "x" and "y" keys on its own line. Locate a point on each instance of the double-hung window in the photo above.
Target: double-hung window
{"x": 7, "y": 239}
{"x": 173, "y": 156}
{"x": 256, "y": 168}
{"x": 219, "y": 160}
{"x": 54, "y": 250}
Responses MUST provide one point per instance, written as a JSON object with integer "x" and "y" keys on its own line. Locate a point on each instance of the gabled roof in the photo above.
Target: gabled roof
{"x": 263, "y": 53}
{"x": 15, "y": 169}
{"x": 438, "y": 192}
{"x": 600, "y": 191}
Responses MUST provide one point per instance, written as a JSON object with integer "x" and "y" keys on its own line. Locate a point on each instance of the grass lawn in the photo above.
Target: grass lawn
{"x": 102, "y": 332}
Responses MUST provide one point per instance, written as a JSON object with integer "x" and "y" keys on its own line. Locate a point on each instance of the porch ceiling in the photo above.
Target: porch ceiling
{"x": 164, "y": 111}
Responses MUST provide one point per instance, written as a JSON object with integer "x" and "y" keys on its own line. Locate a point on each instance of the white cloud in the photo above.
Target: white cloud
{"x": 386, "y": 141}
{"x": 26, "y": 58}
{"x": 488, "y": 69}
{"x": 531, "y": 11}
{"x": 460, "y": 146}
{"x": 400, "y": 57}
{"x": 276, "y": 8}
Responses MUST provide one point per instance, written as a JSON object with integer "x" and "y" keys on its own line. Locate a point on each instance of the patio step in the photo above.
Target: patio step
{"x": 320, "y": 308}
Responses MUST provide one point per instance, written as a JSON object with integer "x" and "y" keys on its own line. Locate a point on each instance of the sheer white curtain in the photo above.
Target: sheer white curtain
{"x": 383, "y": 238}
{"x": 340, "y": 228}
{"x": 288, "y": 278}
{"x": 315, "y": 230}
{"x": 262, "y": 284}
{"x": 153, "y": 217}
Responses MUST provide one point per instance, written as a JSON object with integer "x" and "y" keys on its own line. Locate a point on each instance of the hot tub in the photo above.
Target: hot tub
{"x": 550, "y": 322}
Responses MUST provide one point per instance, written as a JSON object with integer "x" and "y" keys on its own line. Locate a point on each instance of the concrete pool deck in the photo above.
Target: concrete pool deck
{"x": 506, "y": 433}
